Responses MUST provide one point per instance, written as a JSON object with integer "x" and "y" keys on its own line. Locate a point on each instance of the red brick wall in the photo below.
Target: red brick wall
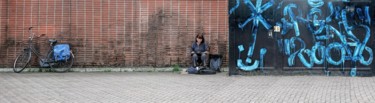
{"x": 3, "y": 28}
{"x": 116, "y": 32}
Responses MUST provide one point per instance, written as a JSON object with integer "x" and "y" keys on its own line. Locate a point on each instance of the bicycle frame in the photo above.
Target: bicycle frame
{"x": 47, "y": 60}
{"x": 33, "y": 50}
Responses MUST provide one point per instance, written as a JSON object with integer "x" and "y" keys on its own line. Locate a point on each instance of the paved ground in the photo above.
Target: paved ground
{"x": 173, "y": 87}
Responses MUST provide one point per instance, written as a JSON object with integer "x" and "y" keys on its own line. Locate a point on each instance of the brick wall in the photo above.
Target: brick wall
{"x": 115, "y": 32}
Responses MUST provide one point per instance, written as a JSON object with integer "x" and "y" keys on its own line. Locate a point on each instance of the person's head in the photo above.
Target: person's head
{"x": 199, "y": 38}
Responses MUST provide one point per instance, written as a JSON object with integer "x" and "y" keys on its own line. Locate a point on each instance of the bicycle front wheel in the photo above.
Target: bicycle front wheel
{"x": 62, "y": 66}
{"x": 22, "y": 61}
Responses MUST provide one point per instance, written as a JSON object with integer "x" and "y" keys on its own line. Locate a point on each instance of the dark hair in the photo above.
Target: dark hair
{"x": 200, "y": 36}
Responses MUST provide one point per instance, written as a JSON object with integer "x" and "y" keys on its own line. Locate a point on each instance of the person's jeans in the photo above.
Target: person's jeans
{"x": 199, "y": 56}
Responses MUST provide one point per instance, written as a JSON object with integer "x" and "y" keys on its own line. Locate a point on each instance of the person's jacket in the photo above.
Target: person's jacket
{"x": 203, "y": 47}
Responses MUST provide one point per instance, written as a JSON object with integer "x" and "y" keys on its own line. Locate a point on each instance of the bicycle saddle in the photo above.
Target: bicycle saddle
{"x": 52, "y": 41}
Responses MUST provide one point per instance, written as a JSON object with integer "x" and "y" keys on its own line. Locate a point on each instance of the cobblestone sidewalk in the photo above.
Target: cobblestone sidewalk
{"x": 172, "y": 87}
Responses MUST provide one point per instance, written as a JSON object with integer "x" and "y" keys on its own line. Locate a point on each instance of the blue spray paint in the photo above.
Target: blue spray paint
{"x": 318, "y": 47}
{"x": 235, "y": 7}
{"x": 315, "y": 3}
{"x": 263, "y": 52}
{"x": 241, "y": 65}
{"x": 336, "y": 46}
{"x": 293, "y": 46}
{"x": 256, "y": 13}
{"x": 304, "y": 60}
{"x": 293, "y": 23}
{"x": 316, "y": 24}
{"x": 256, "y": 17}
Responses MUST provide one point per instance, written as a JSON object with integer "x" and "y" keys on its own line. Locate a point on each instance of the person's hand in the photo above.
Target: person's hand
{"x": 192, "y": 52}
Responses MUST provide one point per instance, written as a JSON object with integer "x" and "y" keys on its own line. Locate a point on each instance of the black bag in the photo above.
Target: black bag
{"x": 205, "y": 70}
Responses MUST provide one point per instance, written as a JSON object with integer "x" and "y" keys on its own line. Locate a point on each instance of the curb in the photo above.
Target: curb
{"x": 129, "y": 69}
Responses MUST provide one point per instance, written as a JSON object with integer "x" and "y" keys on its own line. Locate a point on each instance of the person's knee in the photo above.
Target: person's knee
{"x": 203, "y": 56}
{"x": 195, "y": 56}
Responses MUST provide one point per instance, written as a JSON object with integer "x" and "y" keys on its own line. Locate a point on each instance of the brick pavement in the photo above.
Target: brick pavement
{"x": 172, "y": 87}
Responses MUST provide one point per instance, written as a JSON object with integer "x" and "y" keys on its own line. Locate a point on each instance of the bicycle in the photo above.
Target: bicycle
{"x": 50, "y": 60}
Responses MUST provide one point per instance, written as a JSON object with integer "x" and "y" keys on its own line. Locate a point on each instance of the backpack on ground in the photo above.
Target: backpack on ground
{"x": 200, "y": 70}
{"x": 192, "y": 70}
{"x": 205, "y": 70}
{"x": 215, "y": 62}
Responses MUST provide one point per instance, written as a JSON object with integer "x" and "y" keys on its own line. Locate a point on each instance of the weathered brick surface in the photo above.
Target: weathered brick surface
{"x": 116, "y": 32}
{"x": 171, "y": 87}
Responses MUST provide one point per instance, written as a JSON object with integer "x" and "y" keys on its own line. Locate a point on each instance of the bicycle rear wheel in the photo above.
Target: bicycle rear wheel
{"x": 22, "y": 61}
{"x": 61, "y": 66}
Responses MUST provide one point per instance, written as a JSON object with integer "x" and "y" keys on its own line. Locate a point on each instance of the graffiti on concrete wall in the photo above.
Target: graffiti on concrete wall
{"x": 256, "y": 17}
{"x": 324, "y": 21}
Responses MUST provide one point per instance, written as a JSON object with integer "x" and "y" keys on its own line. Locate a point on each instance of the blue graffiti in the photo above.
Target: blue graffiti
{"x": 256, "y": 63}
{"x": 256, "y": 18}
{"x": 235, "y": 7}
{"x": 353, "y": 72}
{"x": 315, "y": 21}
{"x": 321, "y": 26}
{"x": 317, "y": 26}
{"x": 293, "y": 46}
{"x": 318, "y": 47}
{"x": 315, "y": 3}
{"x": 348, "y": 28}
{"x": 364, "y": 15}
{"x": 256, "y": 13}
{"x": 304, "y": 60}
{"x": 293, "y": 23}
{"x": 280, "y": 4}
{"x": 336, "y": 46}
{"x": 287, "y": 47}
{"x": 241, "y": 65}
{"x": 263, "y": 52}
{"x": 362, "y": 59}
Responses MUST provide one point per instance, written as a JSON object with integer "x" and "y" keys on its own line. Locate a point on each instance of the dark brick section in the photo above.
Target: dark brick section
{"x": 116, "y": 32}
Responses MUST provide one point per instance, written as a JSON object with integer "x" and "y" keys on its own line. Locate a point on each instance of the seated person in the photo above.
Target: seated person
{"x": 199, "y": 50}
